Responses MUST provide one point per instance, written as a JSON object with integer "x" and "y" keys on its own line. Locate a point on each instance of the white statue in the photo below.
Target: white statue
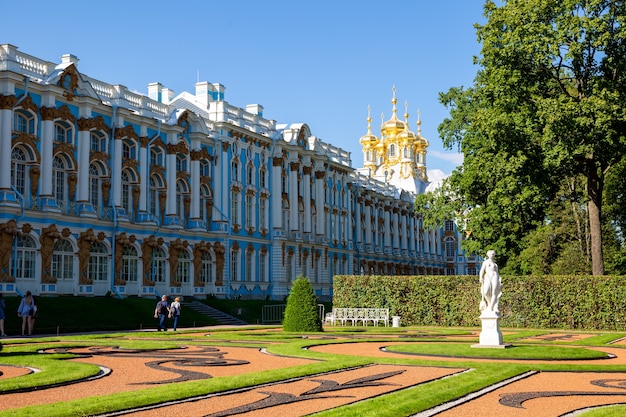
{"x": 490, "y": 284}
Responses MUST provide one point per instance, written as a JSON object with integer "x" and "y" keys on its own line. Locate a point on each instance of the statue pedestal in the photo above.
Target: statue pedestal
{"x": 490, "y": 336}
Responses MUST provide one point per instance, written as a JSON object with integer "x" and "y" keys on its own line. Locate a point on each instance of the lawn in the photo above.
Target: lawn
{"x": 54, "y": 368}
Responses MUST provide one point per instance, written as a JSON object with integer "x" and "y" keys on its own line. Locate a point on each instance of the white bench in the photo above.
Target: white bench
{"x": 355, "y": 315}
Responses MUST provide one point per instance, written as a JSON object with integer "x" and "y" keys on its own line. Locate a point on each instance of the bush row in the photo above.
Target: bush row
{"x": 567, "y": 302}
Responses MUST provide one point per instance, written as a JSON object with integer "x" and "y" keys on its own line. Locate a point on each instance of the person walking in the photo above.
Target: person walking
{"x": 2, "y": 307}
{"x": 161, "y": 312}
{"x": 27, "y": 311}
{"x": 175, "y": 311}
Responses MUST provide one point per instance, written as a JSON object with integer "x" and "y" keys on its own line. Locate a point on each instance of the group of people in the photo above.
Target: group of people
{"x": 27, "y": 311}
{"x": 165, "y": 310}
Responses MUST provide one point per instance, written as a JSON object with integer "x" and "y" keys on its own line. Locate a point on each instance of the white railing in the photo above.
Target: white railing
{"x": 358, "y": 314}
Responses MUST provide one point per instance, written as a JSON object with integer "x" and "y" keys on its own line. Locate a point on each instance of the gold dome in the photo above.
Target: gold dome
{"x": 369, "y": 140}
{"x": 393, "y": 126}
{"x": 406, "y": 136}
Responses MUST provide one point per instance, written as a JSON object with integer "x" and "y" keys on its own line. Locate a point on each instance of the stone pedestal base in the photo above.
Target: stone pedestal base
{"x": 490, "y": 336}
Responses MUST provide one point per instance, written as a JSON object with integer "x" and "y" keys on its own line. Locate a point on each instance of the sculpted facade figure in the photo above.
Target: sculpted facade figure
{"x": 8, "y": 231}
{"x": 85, "y": 239}
{"x": 490, "y": 284}
{"x": 47, "y": 238}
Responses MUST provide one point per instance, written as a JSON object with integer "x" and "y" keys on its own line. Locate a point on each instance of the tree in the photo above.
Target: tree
{"x": 546, "y": 106}
{"x": 301, "y": 312}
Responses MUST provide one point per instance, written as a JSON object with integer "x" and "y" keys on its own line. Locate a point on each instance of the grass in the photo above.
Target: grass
{"x": 92, "y": 315}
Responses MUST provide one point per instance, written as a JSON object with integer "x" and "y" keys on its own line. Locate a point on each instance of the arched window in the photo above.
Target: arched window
{"x": 156, "y": 185}
{"x": 250, "y": 174}
{"x": 263, "y": 276}
{"x": 263, "y": 177}
{"x": 129, "y": 179}
{"x": 158, "y": 264}
{"x": 156, "y": 156}
{"x": 205, "y": 203}
{"x": 234, "y": 170}
{"x": 392, "y": 150}
{"x": 181, "y": 162}
{"x": 183, "y": 271}
{"x": 128, "y": 149}
{"x": 96, "y": 179}
{"x": 26, "y": 257}
{"x": 130, "y": 271}
{"x": 206, "y": 274}
{"x": 63, "y": 132}
{"x": 24, "y": 122}
{"x": 98, "y": 262}
{"x": 234, "y": 263}
{"x": 249, "y": 265}
{"x": 19, "y": 169}
{"x": 98, "y": 142}
{"x": 263, "y": 213}
{"x": 235, "y": 215}
{"x": 450, "y": 246}
{"x": 182, "y": 193}
{"x": 61, "y": 167}
{"x": 250, "y": 223}
{"x": 63, "y": 260}
{"x": 205, "y": 168}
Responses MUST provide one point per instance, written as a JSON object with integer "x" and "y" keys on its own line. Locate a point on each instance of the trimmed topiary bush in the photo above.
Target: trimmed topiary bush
{"x": 301, "y": 311}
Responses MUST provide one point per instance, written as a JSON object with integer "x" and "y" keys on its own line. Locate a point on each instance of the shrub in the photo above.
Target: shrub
{"x": 301, "y": 311}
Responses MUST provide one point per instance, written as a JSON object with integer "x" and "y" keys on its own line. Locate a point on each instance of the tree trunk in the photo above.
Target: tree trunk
{"x": 594, "y": 190}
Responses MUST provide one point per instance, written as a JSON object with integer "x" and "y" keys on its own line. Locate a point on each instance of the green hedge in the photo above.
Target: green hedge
{"x": 567, "y": 302}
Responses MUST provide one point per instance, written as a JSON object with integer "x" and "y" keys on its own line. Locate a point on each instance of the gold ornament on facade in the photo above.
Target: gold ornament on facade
{"x": 96, "y": 123}
{"x": 7, "y": 102}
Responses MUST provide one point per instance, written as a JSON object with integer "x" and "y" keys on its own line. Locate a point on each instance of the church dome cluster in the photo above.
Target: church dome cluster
{"x": 399, "y": 154}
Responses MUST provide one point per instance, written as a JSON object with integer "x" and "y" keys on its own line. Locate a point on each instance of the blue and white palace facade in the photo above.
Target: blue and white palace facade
{"x": 103, "y": 190}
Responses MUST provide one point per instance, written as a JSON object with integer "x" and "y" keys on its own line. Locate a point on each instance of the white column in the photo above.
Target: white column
{"x": 170, "y": 206}
{"x": 116, "y": 183}
{"x": 276, "y": 199}
{"x": 144, "y": 172}
{"x": 6, "y": 124}
{"x": 45, "y": 178}
{"x": 293, "y": 195}
{"x": 368, "y": 223}
{"x": 307, "y": 199}
{"x": 83, "y": 166}
{"x": 320, "y": 177}
{"x": 387, "y": 230}
{"x": 396, "y": 232}
{"x": 195, "y": 189}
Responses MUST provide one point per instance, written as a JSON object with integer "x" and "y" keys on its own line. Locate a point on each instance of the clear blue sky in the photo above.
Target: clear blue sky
{"x": 318, "y": 62}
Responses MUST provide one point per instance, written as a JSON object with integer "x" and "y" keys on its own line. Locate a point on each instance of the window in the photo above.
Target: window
{"x": 96, "y": 179}
{"x": 62, "y": 260}
{"x": 128, "y": 149}
{"x": 97, "y": 141}
{"x": 63, "y": 132}
{"x": 205, "y": 168}
{"x": 130, "y": 271}
{"x": 24, "y": 122}
{"x": 234, "y": 262}
{"x": 206, "y": 274}
{"x": 98, "y": 262}
{"x": 60, "y": 173}
{"x": 183, "y": 271}
{"x": 250, "y": 174}
{"x": 158, "y": 264}
{"x": 263, "y": 267}
{"x": 450, "y": 246}
{"x": 249, "y": 211}
{"x": 234, "y": 207}
{"x": 472, "y": 270}
{"x": 263, "y": 213}
{"x": 26, "y": 257}
{"x": 318, "y": 269}
{"x": 449, "y": 226}
{"x": 205, "y": 203}
{"x": 289, "y": 270}
{"x": 156, "y": 156}
{"x": 181, "y": 163}
{"x": 156, "y": 185}
{"x": 234, "y": 171}
{"x": 182, "y": 193}
{"x": 128, "y": 180}
{"x": 249, "y": 265}
{"x": 392, "y": 150}
{"x": 18, "y": 170}
{"x": 263, "y": 178}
